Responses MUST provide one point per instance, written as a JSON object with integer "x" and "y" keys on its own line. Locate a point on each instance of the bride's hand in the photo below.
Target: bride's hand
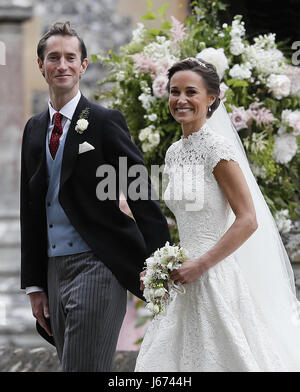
{"x": 142, "y": 286}
{"x": 189, "y": 272}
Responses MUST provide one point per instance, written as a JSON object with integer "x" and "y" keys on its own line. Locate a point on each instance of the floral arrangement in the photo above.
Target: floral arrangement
{"x": 259, "y": 87}
{"x": 157, "y": 281}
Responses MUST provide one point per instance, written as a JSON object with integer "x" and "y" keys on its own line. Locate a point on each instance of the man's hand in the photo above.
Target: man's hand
{"x": 40, "y": 309}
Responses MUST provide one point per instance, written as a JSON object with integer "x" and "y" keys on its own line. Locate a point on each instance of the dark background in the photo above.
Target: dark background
{"x": 266, "y": 16}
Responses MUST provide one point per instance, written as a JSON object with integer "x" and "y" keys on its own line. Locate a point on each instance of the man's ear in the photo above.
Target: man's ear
{"x": 84, "y": 66}
{"x": 41, "y": 66}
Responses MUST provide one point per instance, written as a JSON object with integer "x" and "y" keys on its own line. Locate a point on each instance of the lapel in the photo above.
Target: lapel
{"x": 72, "y": 142}
{"x": 39, "y": 139}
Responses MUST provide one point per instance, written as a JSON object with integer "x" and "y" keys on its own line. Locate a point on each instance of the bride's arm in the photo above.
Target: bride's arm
{"x": 232, "y": 181}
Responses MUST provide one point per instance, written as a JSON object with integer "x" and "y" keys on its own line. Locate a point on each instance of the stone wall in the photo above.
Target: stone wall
{"x": 40, "y": 359}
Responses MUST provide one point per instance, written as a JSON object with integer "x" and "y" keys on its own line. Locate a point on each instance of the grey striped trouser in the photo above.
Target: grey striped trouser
{"x": 87, "y": 306}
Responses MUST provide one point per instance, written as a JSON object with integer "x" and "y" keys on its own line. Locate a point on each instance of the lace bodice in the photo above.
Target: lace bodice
{"x": 193, "y": 194}
{"x": 216, "y": 325}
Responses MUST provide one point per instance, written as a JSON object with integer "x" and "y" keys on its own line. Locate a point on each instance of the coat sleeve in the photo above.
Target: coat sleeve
{"x": 32, "y": 266}
{"x": 134, "y": 181}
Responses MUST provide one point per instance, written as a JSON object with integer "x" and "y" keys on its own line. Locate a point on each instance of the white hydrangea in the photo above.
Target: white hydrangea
{"x": 285, "y": 148}
{"x": 138, "y": 33}
{"x": 217, "y": 58}
{"x": 283, "y": 223}
{"x": 279, "y": 85}
{"x": 147, "y": 100}
{"x": 258, "y": 171}
{"x": 293, "y": 73}
{"x": 264, "y": 56}
{"x": 241, "y": 71}
{"x": 161, "y": 50}
{"x": 292, "y": 119}
{"x": 120, "y": 76}
{"x": 237, "y": 46}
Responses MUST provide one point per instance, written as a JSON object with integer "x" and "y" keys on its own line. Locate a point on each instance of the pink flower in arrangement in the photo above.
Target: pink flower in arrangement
{"x": 239, "y": 117}
{"x": 178, "y": 30}
{"x": 143, "y": 63}
{"x": 223, "y": 89}
{"x": 262, "y": 116}
{"x": 159, "y": 86}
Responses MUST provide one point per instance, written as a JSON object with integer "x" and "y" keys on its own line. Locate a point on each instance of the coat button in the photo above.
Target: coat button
{"x": 70, "y": 243}
{"x": 48, "y": 204}
{"x": 50, "y": 225}
{"x": 53, "y": 246}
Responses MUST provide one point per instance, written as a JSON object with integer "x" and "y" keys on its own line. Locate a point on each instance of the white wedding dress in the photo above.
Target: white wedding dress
{"x": 216, "y": 325}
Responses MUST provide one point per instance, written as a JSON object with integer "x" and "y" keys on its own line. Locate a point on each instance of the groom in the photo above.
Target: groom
{"x": 79, "y": 252}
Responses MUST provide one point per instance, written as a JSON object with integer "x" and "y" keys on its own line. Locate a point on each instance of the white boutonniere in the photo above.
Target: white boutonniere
{"x": 82, "y": 122}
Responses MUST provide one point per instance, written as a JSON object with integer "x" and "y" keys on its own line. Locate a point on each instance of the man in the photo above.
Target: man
{"x": 80, "y": 253}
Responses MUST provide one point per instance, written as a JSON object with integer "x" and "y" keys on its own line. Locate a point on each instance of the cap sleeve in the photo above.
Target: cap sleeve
{"x": 220, "y": 149}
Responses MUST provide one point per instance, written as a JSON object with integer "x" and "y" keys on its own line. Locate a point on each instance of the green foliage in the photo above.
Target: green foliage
{"x": 129, "y": 87}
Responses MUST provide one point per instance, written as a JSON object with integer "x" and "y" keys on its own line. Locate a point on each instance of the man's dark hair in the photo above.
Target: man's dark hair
{"x": 60, "y": 28}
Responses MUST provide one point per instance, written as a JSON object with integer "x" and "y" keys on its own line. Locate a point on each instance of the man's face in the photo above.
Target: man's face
{"x": 62, "y": 65}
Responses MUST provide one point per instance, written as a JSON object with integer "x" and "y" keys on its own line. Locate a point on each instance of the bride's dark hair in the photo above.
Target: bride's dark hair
{"x": 208, "y": 73}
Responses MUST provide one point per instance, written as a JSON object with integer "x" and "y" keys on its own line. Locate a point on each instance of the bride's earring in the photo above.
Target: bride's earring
{"x": 209, "y": 108}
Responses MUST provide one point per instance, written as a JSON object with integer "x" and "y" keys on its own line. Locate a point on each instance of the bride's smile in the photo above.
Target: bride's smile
{"x": 189, "y": 100}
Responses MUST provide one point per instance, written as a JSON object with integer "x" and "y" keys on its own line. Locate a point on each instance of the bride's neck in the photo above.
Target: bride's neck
{"x": 188, "y": 129}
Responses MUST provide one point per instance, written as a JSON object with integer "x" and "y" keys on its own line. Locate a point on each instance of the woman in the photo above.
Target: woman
{"x": 239, "y": 312}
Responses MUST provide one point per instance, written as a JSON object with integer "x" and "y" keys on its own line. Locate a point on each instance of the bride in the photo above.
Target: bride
{"x": 239, "y": 312}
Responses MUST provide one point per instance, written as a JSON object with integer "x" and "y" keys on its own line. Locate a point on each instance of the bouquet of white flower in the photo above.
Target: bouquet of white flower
{"x": 157, "y": 281}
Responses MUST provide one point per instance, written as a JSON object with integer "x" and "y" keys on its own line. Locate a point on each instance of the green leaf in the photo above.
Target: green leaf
{"x": 162, "y": 9}
{"x": 94, "y": 58}
{"x": 149, "y": 16}
{"x": 139, "y": 304}
{"x": 138, "y": 341}
{"x": 141, "y": 321}
{"x": 167, "y": 25}
{"x": 237, "y": 83}
{"x": 149, "y": 4}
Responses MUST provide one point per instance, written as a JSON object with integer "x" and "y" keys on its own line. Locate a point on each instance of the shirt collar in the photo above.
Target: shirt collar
{"x": 67, "y": 110}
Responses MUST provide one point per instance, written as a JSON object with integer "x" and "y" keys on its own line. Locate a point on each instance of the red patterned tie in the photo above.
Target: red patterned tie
{"x": 56, "y": 134}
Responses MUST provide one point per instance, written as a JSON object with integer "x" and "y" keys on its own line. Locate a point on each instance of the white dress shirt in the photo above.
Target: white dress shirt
{"x": 67, "y": 111}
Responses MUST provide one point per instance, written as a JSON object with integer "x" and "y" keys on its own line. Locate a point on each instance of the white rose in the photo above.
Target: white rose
{"x": 147, "y": 147}
{"x": 279, "y": 85}
{"x": 159, "y": 86}
{"x": 81, "y": 125}
{"x": 154, "y": 138}
{"x": 283, "y": 223}
{"x": 216, "y": 57}
{"x": 152, "y": 117}
{"x": 160, "y": 292}
{"x": 144, "y": 133}
{"x": 285, "y": 148}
